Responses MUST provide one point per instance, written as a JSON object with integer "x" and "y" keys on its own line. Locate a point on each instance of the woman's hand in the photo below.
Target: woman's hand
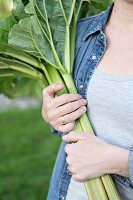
{"x": 92, "y": 157}
{"x": 61, "y": 112}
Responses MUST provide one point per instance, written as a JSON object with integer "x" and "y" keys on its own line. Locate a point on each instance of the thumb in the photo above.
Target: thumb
{"x": 74, "y": 136}
{"x": 52, "y": 89}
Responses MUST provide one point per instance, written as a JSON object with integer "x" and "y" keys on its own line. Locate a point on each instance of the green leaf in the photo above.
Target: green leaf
{"x": 20, "y": 86}
{"x": 31, "y": 41}
{"x": 20, "y": 67}
{"x": 6, "y": 86}
{"x": 6, "y": 73}
{"x": 25, "y": 2}
{"x": 19, "y": 54}
{"x": 5, "y": 26}
{"x": 54, "y": 16}
{"x": 18, "y": 10}
{"x": 28, "y": 87}
{"x": 47, "y": 33}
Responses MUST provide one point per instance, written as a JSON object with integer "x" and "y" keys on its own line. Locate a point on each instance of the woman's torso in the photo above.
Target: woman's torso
{"x": 110, "y": 105}
{"x": 110, "y": 100}
{"x": 90, "y": 47}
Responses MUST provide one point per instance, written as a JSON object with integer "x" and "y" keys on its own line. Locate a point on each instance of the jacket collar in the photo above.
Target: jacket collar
{"x": 99, "y": 22}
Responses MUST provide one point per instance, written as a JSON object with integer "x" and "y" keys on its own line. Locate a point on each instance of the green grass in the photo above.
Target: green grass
{"x": 27, "y": 155}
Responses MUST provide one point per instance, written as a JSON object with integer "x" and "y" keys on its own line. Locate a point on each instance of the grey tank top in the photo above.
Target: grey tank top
{"x": 110, "y": 110}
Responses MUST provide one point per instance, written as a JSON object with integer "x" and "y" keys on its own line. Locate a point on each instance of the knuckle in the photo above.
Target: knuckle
{"x": 73, "y": 170}
{"x": 67, "y": 148}
{"x": 65, "y": 129}
{"x": 84, "y": 108}
{"x": 77, "y": 177}
{"x": 68, "y": 160}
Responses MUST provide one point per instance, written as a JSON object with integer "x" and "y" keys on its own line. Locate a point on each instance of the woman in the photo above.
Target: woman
{"x": 103, "y": 74}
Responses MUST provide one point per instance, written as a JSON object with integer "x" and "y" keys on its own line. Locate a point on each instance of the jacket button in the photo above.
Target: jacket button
{"x": 81, "y": 86}
{"x": 62, "y": 198}
{"x": 94, "y": 57}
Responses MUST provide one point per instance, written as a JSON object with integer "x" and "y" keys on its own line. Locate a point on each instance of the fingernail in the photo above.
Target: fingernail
{"x": 84, "y": 109}
{"x": 79, "y": 96}
{"x": 85, "y": 101}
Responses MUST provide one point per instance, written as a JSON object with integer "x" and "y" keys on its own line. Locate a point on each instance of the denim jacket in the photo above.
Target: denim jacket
{"x": 90, "y": 47}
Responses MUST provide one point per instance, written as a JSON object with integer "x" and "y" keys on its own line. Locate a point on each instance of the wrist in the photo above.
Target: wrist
{"x": 118, "y": 161}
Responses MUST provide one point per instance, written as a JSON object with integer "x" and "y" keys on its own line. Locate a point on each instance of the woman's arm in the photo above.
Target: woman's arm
{"x": 92, "y": 157}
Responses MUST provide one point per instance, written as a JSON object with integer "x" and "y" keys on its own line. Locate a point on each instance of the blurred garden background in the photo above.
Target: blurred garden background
{"x": 27, "y": 147}
{"x": 27, "y": 150}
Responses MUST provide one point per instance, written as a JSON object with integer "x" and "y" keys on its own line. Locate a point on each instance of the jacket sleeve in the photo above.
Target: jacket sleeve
{"x": 131, "y": 164}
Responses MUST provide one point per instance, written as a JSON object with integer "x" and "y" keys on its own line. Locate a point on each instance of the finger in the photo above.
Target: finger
{"x": 71, "y": 170}
{"x": 78, "y": 178}
{"x": 68, "y": 118}
{"x": 68, "y": 108}
{"x": 68, "y": 148}
{"x": 52, "y": 89}
{"x": 63, "y": 99}
{"x": 66, "y": 128}
{"x": 68, "y": 160}
{"x": 74, "y": 136}
{"x": 75, "y": 115}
